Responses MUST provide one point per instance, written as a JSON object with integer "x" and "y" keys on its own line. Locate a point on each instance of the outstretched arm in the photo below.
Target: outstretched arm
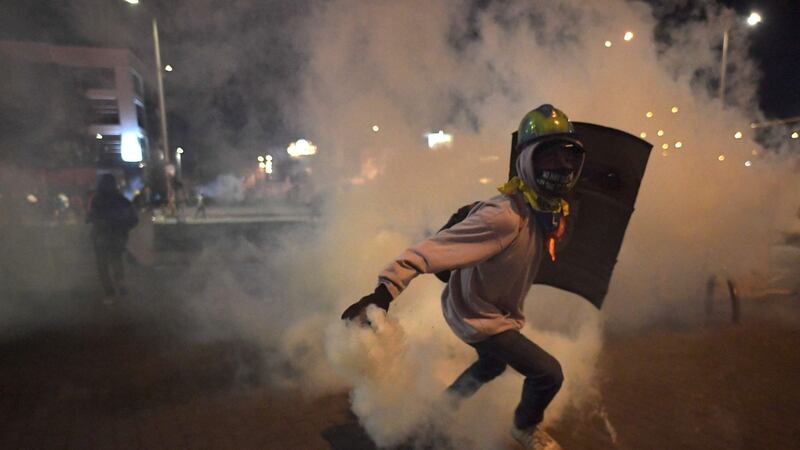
{"x": 477, "y": 238}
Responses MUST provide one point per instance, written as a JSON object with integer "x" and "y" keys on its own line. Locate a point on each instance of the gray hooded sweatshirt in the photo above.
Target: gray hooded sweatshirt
{"x": 494, "y": 254}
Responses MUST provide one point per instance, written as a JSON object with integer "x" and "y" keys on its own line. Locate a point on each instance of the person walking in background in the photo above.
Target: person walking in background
{"x": 112, "y": 217}
{"x": 201, "y": 206}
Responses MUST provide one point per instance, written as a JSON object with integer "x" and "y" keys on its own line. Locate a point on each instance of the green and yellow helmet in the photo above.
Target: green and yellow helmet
{"x": 544, "y": 121}
{"x": 550, "y": 156}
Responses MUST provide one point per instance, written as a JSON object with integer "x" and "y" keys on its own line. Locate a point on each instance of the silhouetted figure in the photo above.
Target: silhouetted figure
{"x": 201, "y": 206}
{"x": 112, "y": 217}
{"x": 735, "y": 315}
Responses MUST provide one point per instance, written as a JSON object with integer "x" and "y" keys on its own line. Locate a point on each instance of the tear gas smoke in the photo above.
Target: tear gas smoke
{"x": 379, "y": 76}
{"x": 474, "y": 71}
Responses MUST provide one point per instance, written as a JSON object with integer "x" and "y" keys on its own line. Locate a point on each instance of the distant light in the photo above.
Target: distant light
{"x": 795, "y": 135}
{"x": 130, "y": 149}
{"x": 260, "y": 159}
{"x": 754, "y": 152}
{"x": 664, "y": 153}
{"x": 721, "y": 157}
{"x": 642, "y": 135}
{"x": 268, "y": 164}
{"x": 737, "y": 135}
{"x": 168, "y": 68}
{"x": 660, "y": 132}
{"x": 141, "y": 165}
{"x": 748, "y": 163}
{"x": 179, "y": 150}
{"x": 649, "y": 114}
{"x": 262, "y": 165}
{"x": 32, "y": 198}
{"x": 607, "y": 44}
{"x": 376, "y": 128}
{"x": 674, "y": 110}
{"x": 301, "y": 147}
{"x": 484, "y": 180}
{"x": 440, "y": 139}
{"x": 98, "y": 136}
{"x": 133, "y": 2}
{"x": 628, "y": 36}
{"x": 678, "y": 144}
{"x": 753, "y": 19}
{"x": 753, "y": 125}
{"x": 665, "y": 146}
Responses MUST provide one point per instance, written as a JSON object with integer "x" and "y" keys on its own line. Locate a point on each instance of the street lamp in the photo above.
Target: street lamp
{"x": 440, "y": 139}
{"x": 160, "y": 79}
{"x": 179, "y": 161}
{"x": 752, "y": 20}
{"x": 162, "y": 108}
{"x": 300, "y": 148}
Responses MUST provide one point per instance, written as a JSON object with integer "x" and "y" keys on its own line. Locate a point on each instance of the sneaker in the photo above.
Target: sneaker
{"x": 534, "y": 438}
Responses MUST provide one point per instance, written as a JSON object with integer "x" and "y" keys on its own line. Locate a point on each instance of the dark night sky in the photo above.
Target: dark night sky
{"x": 776, "y": 46}
{"x": 775, "y": 42}
{"x": 228, "y": 101}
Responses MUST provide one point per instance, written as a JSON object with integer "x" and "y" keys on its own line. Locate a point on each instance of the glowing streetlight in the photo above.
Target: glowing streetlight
{"x": 649, "y": 114}
{"x": 439, "y": 139}
{"x": 98, "y": 136}
{"x": 660, "y": 133}
{"x": 300, "y": 148}
{"x": 678, "y": 144}
{"x": 179, "y": 161}
{"x": 376, "y": 128}
{"x": 665, "y": 146}
{"x": 628, "y": 35}
{"x": 133, "y": 2}
{"x": 737, "y": 135}
{"x": 795, "y": 135}
{"x": 260, "y": 159}
{"x": 607, "y": 44}
{"x": 748, "y": 163}
{"x": 168, "y": 68}
{"x": 674, "y": 110}
{"x": 721, "y": 157}
{"x": 642, "y": 135}
{"x": 268, "y": 164}
{"x": 753, "y": 19}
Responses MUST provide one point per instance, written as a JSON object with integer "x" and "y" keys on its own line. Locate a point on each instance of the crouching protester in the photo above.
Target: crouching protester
{"x": 493, "y": 255}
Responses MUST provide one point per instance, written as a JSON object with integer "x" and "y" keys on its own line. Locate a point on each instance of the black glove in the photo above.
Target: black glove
{"x": 380, "y": 298}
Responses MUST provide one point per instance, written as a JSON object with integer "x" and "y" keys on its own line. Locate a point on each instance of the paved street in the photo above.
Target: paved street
{"x": 78, "y": 374}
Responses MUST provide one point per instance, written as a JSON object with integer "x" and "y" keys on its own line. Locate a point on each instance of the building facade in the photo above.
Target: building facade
{"x": 111, "y": 81}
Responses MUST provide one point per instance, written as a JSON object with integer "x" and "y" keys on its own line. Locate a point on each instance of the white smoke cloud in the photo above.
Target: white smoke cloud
{"x": 414, "y": 67}
{"x": 475, "y": 72}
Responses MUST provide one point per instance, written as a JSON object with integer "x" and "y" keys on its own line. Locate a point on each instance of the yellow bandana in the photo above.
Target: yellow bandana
{"x": 537, "y": 202}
